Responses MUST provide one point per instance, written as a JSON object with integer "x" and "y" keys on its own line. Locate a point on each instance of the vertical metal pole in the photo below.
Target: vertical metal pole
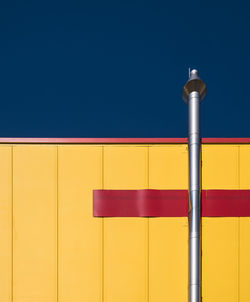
{"x": 194, "y": 195}
{"x": 193, "y": 92}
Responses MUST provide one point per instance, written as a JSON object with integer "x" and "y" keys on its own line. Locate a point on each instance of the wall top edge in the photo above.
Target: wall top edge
{"x": 44, "y": 140}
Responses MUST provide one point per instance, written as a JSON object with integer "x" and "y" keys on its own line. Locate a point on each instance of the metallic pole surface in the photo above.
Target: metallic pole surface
{"x": 193, "y": 93}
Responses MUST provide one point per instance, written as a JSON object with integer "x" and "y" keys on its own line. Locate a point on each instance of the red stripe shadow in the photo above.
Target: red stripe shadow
{"x": 169, "y": 203}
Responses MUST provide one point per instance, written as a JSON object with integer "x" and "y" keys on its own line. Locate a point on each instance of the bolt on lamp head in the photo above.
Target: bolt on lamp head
{"x": 194, "y": 83}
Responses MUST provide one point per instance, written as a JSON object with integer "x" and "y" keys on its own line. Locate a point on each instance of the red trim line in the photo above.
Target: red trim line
{"x": 169, "y": 203}
{"x": 224, "y": 140}
{"x": 45, "y": 140}
{"x": 30, "y": 140}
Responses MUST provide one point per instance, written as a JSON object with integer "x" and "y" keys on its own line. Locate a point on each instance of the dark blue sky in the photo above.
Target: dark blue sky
{"x": 117, "y": 68}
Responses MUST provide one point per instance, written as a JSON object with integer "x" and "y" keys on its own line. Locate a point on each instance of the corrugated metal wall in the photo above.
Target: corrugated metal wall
{"x": 52, "y": 249}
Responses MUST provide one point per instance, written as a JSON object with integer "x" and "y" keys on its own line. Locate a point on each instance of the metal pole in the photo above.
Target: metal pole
{"x": 193, "y": 92}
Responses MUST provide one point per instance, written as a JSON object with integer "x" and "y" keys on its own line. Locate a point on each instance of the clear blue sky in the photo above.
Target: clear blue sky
{"x": 117, "y": 68}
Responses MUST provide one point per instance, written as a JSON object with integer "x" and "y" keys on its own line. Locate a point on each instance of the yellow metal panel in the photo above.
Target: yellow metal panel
{"x": 126, "y": 167}
{"x": 35, "y": 223}
{"x": 220, "y": 167}
{"x": 80, "y": 235}
{"x": 125, "y": 239}
{"x": 168, "y": 167}
{"x": 168, "y": 259}
{"x": 168, "y": 237}
{"x": 244, "y": 167}
{"x": 125, "y": 259}
{"x": 220, "y": 259}
{"x": 244, "y": 227}
{"x": 5, "y": 224}
{"x": 220, "y": 170}
{"x": 244, "y": 259}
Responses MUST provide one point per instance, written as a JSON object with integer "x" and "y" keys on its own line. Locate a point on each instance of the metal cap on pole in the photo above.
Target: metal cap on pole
{"x": 194, "y": 83}
{"x": 193, "y": 93}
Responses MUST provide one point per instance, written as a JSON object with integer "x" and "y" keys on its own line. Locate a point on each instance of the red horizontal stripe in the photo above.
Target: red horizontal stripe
{"x": 226, "y": 203}
{"x": 49, "y": 140}
{"x": 140, "y": 203}
{"x": 169, "y": 203}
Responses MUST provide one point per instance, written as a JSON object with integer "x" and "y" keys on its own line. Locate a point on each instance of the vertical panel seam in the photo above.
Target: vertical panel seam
{"x": 57, "y": 225}
{"x": 12, "y": 227}
{"x": 201, "y": 225}
{"x": 238, "y": 252}
{"x": 147, "y": 282}
{"x": 148, "y": 167}
{"x": 238, "y": 165}
{"x": 237, "y": 256}
{"x": 102, "y": 235}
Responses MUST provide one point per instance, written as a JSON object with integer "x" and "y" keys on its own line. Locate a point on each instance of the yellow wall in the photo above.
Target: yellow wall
{"x": 226, "y": 241}
{"x": 53, "y": 250}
